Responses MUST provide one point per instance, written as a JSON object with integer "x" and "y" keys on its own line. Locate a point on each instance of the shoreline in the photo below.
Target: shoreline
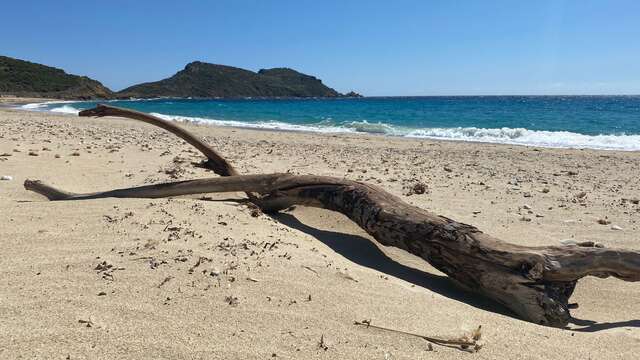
{"x": 305, "y": 128}
{"x": 10, "y": 101}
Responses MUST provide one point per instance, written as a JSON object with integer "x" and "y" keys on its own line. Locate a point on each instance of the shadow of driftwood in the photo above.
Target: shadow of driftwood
{"x": 363, "y": 252}
{"x": 593, "y": 326}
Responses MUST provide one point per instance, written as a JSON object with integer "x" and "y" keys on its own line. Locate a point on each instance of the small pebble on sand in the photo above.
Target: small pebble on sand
{"x": 6, "y": 177}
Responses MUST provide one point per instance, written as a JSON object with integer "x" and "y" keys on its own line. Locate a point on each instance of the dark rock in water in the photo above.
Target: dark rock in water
{"x": 204, "y": 80}
{"x": 353, "y": 94}
{"x": 27, "y": 79}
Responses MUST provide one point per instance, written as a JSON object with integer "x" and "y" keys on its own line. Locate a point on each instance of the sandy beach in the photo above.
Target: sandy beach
{"x": 202, "y": 278}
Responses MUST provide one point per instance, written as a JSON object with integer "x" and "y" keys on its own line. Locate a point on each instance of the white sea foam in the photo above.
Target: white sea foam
{"x": 521, "y": 136}
{"x": 373, "y": 128}
{"x": 33, "y": 106}
{"x": 43, "y": 105}
{"x": 515, "y": 136}
{"x": 272, "y": 125}
{"x": 65, "y": 109}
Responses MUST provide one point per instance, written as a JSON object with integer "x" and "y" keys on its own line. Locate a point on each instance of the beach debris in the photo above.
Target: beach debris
{"x": 163, "y": 282}
{"x": 526, "y": 207}
{"x": 175, "y": 171}
{"x": 231, "y": 300}
{"x": 322, "y": 344}
{"x": 604, "y": 221}
{"x": 198, "y": 262}
{"x": 6, "y": 177}
{"x": 254, "y": 210}
{"x": 33, "y": 153}
{"x": 469, "y": 342}
{"x": 572, "y": 242}
{"x": 418, "y": 188}
{"x": 88, "y": 323}
{"x": 106, "y": 270}
{"x": 616, "y": 227}
{"x": 581, "y": 195}
{"x": 310, "y": 269}
{"x": 346, "y": 275}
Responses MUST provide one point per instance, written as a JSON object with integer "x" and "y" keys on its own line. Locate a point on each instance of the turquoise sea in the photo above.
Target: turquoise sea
{"x": 600, "y": 122}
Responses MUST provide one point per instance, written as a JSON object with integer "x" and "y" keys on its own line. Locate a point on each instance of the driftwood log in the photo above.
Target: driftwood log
{"x": 534, "y": 282}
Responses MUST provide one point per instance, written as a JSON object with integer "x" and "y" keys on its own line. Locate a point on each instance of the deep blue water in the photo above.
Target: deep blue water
{"x": 607, "y": 122}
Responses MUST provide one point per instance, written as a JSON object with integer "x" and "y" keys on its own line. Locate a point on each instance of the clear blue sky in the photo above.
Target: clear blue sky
{"x": 373, "y": 47}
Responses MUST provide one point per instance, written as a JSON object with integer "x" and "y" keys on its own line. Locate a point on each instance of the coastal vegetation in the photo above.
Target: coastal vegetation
{"x": 204, "y": 80}
{"x": 27, "y": 79}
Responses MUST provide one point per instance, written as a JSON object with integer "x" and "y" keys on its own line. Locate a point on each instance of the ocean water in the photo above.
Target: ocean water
{"x": 598, "y": 122}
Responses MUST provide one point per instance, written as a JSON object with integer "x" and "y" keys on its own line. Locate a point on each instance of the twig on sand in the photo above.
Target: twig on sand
{"x": 322, "y": 344}
{"x": 166, "y": 280}
{"x": 88, "y": 323}
{"x": 467, "y": 342}
{"x": 310, "y": 269}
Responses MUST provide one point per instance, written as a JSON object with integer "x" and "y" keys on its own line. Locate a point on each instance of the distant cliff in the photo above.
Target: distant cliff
{"x": 204, "y": 80}
{"x": 24, "y": 78}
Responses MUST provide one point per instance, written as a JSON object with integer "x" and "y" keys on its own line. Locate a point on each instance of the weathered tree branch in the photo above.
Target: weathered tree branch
{"x": 535, "y": 282}
{"x": 216, "y": 162}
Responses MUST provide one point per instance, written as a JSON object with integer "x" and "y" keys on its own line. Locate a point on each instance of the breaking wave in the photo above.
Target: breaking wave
{"x": 269, "y": 125}
{"x": 514, "y": 136}
{"x": 65, "y": 109}
{"x": 521, "y": 136}
{"x": 45, "y": 106}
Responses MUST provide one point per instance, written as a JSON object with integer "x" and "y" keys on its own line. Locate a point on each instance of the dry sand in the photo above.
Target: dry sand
{"x": 192, "y": 279}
